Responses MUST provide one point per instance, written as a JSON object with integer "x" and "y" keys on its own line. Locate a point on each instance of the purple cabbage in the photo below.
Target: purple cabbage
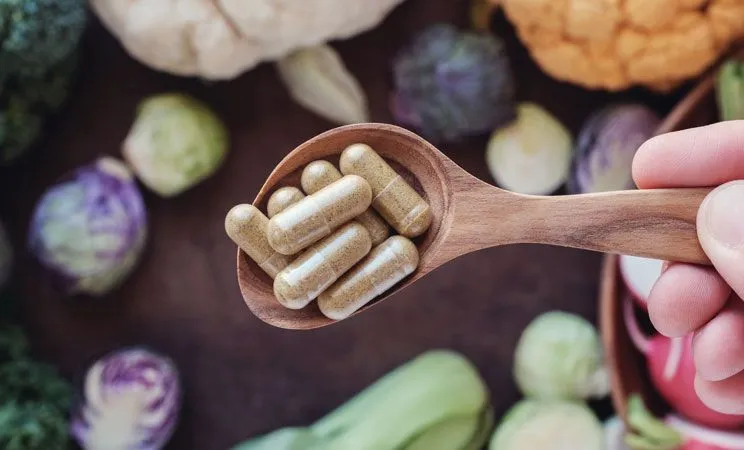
{"x": 606, "y": 146}
{"x": 89, "y": 230}
{"x": 132, "y": 402}
{"x": 451, "y": 84}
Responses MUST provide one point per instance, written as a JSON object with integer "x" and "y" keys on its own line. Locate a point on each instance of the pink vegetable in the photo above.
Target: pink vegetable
{"x": 701, "y": 438}
{"x": 639, "y": 275}
{"x": 672, "y": 372}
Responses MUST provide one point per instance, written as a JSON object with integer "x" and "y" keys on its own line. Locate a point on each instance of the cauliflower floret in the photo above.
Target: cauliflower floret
{"x": 616, "y": 44}
{"x": 220, "y": 39}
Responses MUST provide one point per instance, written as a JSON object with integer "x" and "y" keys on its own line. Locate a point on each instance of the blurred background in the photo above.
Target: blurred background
{"x": 239, "y": 377}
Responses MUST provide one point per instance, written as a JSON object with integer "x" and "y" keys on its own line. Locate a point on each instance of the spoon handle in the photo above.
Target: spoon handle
{"x": 652, "y": 223}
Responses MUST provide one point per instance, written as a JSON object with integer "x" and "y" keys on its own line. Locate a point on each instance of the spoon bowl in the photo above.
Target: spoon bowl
{"x": 469, "y": 214}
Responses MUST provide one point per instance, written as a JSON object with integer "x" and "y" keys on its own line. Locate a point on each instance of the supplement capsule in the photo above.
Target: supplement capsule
{"x": 386, "y": 264}
{"x": 319, "y": 174}
{"x": 395, "y": 200}
{"x": 282, "y": 199}
{"x": 317, "y": 215}
{"x": 321, "y": 264}
{"x": 246, "y": 225}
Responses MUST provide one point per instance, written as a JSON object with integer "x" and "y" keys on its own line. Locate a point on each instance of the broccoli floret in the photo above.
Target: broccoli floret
{"x": 13, "y": 343}
{"x": 34, "y": 399}
{"x": 33, "y": 426}
{"x": 27, "y": 381}
{"x": 37, "y": 34}
{"x": 25, "y": 102}
{"x": 38, "y": 53}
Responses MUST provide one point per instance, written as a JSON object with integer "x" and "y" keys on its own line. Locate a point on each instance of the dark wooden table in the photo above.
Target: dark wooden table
{"x": 241, "y": 376}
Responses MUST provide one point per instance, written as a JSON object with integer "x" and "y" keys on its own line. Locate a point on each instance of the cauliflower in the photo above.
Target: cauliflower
{"x": 616, "y": 44}
{"x": 220, "y": 39}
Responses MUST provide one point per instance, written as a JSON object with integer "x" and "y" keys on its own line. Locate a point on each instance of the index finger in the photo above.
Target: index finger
{"x": 697, "y": 157}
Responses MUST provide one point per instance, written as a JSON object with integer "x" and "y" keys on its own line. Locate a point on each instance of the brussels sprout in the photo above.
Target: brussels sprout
{"x": 532, "y": 155}
{"x": 89, "y": 230}
{"x": 6, "y": 256}
{"x": 132, "y": 401}
{"x": 559, "y": 356}
{"x": 606, "y": 145}
{"x": 175, "y": 143}
{"x": 548, "y": 425}
{"x": 451, "y": 84}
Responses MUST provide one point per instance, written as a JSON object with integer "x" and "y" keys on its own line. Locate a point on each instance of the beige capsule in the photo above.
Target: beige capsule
{"x": 395, "y": 199}
{"x": 282, "y": 199}
{"x": 321, "y": 173}
{"x": 317, "y": 215}
{"x": 384, "y": 266}
{"x": 321, "y": 264}
{"x": 246, "y": 225}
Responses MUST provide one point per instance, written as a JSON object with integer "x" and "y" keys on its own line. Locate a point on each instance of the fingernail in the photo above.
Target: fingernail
{"x": 724, "y": 212}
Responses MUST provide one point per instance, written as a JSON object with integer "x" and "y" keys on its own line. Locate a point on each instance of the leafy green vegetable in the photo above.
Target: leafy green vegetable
{"x": 13, "y": 343}
{"x": 730, "y": 90}
{"x": 34, "y": 399}
{"x": 27, "y": 381}
{"x": 32, "y": 426}
{"x": 25, "y": 101}
{"x": 37, "y": 34}
{"x": 436, "y": 401}
{"x": 290, "y": 438}
{"x": 649, "y": 432}
{"x": 38, "y": 41}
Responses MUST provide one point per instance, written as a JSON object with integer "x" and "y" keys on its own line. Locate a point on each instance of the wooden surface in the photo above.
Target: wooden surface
{"x": 241, "y": 376}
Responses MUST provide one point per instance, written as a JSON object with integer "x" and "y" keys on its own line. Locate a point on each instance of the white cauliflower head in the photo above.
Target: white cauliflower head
{"x": 220, "y": 39}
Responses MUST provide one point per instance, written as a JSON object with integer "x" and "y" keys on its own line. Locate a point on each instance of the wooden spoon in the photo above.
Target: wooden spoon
{"x": 470, "y": 215}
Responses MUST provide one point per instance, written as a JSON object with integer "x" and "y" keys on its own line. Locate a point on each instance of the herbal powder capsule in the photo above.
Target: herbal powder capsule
{"x": 317, "y": 215}
{"x": 282, "y": 199}
{"x": 319, "y": 174}
{"x": 246, "y": 225}
{"x": 321, "y": 265}
{"x": 395, "y": 200}
{"x": 384, "y": 266}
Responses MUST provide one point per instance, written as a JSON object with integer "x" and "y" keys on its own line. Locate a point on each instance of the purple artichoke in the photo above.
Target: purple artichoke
{"x": 89, "y": 230}
{"x": 451, "y": 84}
{"x": 606, "y": 146}
{"x": 132, "y": 402}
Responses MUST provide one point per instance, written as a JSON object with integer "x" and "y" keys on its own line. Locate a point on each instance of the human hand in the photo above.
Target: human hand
{"x": 705, "y": 300}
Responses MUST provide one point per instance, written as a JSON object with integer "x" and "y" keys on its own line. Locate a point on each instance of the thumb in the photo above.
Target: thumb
{"x": 720, "y": 227}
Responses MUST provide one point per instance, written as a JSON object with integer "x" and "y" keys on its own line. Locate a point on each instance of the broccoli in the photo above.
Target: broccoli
{"x": 34, "y": 426}
{"x": 24, "y": 103}
{"x": 38, "y": 55}
{"x": 37, "y": 34}
{"x": 13, "y": 343}
{"x": 34, "y": 399}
